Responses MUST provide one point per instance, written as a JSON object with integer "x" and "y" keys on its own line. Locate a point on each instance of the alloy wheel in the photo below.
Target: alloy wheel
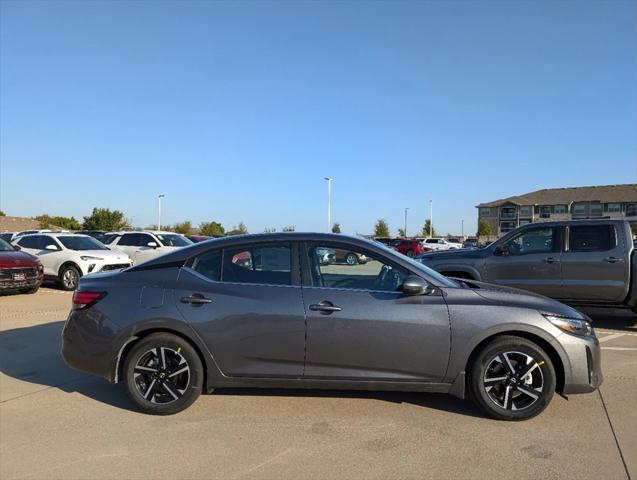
{"x": 514, "y": 380}
{"x": 70, "y": 279}
{"x": 351, "y": 259}
{"x": 162, "y": 375}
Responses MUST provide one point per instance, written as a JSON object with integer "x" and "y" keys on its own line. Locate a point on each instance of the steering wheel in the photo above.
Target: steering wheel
{"x": 388, "y": 279}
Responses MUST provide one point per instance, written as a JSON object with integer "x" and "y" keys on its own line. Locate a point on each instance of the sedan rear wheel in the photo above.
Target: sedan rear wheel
{"x": 163, "y": 374}
{"x": 512, "y": 379}
{"x": 351, "y": 259}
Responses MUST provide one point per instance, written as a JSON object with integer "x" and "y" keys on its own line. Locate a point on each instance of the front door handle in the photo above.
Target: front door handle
{"x": 612, "y": 259}
{"x": 196, "y": 300}
{"x": 548, "y": 260}
{"x": 325, "y": 307}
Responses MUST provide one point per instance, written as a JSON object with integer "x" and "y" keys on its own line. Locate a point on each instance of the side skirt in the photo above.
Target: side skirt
{"x": 315, "y": 384}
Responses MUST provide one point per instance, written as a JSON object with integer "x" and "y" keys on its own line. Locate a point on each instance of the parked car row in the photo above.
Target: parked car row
{"x": 65, "y": 257}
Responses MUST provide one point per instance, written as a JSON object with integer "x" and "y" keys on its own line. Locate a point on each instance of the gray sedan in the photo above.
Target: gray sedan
{"x": 266, "y": 311}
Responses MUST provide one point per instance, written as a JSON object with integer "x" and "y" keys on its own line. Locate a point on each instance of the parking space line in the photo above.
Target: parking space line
{"x": 611, "y": 337}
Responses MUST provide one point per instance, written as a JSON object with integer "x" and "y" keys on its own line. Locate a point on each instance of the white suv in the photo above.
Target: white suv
{"x": 440, "y": 244}
{"x": 66, "y": 257}
{"x": 146, "y": 244}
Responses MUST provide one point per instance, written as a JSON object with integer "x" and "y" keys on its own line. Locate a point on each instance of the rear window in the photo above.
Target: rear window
{"x": 591, "y": 238}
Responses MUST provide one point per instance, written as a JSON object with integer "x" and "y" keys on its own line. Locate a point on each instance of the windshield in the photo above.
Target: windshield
{"x": 173, "y": 240}
{"x": 5, "y": 246}
{"x": 77, "y": 242}
{"x": 441, "y": 279}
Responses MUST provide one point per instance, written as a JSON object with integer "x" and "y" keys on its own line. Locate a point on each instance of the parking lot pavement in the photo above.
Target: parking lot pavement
{"x": 58, "y": 423}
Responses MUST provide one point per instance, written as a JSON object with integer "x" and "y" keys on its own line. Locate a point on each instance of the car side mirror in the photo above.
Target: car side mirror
{"x": 500, "y": 251}
{"x": 414, "y": 285}
{"x": 152, "y": 244}
{"x": 17, "y": 248}
{"x": 51, "y": 247}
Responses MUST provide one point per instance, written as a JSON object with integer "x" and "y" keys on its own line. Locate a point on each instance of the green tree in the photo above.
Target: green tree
{"x": 68, "y": 223}
{"x": 401, "y": 232}
{"x": 269, "y": 230}
{"x": 289, "y": 228}
{"x": 484, "y": 228}
{"x": 381, "y": 229}
{"x": 2, "y": 214}
{"x": 212, "y": 229}
{"x": 336, "y": 228}
{"x": 105, "y": 219}
{"x": 240, "y": 229}
{"x": 183, "y": 227}
{"x": 426, "y": 230}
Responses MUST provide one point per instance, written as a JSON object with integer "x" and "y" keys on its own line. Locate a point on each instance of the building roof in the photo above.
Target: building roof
{"x": 559, "y": 196}
{"x": 18, "y": 224}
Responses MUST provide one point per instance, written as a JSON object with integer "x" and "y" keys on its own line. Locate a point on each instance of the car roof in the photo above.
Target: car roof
{"x": 56, "y": 234}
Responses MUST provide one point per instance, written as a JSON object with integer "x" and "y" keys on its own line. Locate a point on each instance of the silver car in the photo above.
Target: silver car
{"x": 268, "y": 311}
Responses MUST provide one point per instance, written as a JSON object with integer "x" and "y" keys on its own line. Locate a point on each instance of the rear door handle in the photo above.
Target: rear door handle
{"x": 196, "y": 300}
{"x": 325, "y": 307}
{"x": 612, "y": 259}
{"x": 548, "y": 260}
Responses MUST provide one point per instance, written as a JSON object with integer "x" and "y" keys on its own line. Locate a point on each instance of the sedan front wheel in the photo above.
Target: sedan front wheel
{"x": 512, "y": 378}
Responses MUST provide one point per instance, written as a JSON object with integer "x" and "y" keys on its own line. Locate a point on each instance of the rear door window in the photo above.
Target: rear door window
{"x": 591, "y": 238}
{"x": 30, "y": 242}
{"x": 268, "y": 265}
{"x": 209, "y": 265}
{"x": 129, "y": 240}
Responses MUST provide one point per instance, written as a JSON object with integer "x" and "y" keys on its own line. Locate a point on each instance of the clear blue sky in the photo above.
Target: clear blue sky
{"x": 237, "y": 110}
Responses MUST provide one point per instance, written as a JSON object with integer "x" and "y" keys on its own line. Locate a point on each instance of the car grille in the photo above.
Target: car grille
{"x": 115, "y": 266}
{"x": 7, "y": 273}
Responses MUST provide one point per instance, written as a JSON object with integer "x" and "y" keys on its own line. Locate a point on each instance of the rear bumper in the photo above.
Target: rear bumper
{"x": 89, "y": 342}
{"x": 583, "y": 374}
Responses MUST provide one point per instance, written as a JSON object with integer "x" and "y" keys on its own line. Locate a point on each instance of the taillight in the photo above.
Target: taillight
{"x": 86, "y": 299}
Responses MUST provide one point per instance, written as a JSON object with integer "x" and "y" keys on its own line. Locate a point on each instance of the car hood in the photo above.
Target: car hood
{"x": 110, "y": 255}
{"x": 513, "y": 297}
{"x": 17, "y": 259}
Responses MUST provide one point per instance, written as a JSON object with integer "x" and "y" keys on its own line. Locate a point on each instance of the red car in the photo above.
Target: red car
{"x": 411, "y": 248}
{"x": 19, "y": 270}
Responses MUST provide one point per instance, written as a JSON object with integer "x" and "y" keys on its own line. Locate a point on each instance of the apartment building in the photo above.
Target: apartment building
{"x": 605, "y": 201}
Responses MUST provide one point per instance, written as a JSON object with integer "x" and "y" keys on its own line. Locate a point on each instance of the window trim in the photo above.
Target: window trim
{"x": 306, "y": 263}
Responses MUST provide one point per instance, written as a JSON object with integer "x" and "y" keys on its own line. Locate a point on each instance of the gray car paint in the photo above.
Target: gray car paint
{"x": 252, "y": 335}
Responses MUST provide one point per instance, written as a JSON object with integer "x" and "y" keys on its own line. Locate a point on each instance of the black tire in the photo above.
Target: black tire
{"x": 69, "y": 277}
{"x": 508, "y": 395}
{"x": 351, "y": 259}
{"x": 29, "y": 291}
{"x": 172, "y": 393}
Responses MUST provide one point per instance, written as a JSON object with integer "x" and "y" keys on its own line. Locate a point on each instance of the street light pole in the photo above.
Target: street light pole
{"x": 462, "y": 229}
{"x": 431, "y": 218}
{"x": 405, "y": 230}
{"x": 329, "y": 203}
{"x": 159, "y": 197}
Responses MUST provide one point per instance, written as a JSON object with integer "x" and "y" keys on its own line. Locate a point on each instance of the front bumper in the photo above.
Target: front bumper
{"x": 27, "y": 282}
{"x": 95, "y": 266}
{"x": 583, "y": 365}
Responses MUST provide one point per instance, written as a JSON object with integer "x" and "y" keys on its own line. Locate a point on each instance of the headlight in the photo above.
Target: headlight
{"x": 86, "y": 258}
{"x": 576, "y": 326}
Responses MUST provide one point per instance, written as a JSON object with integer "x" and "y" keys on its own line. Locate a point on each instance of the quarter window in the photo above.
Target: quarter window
{"x": 209, "y": 265}
{"x": 269, "y": 265}
{"x": 538, "y": 240}
{"x": 591, "y": 238}
{"x": 335, "y": 267}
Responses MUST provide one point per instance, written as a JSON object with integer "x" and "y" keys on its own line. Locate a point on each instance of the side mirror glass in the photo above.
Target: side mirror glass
{"x": 414, "y": 285}
{"x": 500, "y": 251}
{"x": 51, "y": 247}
